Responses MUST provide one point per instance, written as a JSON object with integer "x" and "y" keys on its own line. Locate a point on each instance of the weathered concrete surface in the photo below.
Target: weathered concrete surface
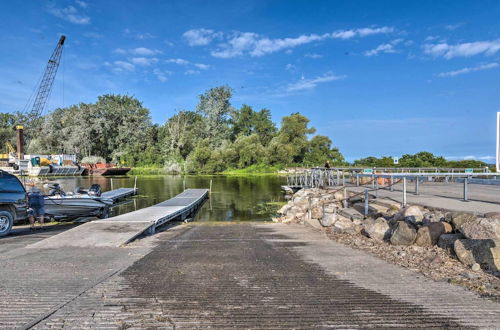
{"x": 227, "y": 276}
{"x": 447, "y": 196}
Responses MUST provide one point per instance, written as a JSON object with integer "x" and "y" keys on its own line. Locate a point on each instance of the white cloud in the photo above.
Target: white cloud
{"x": 122, "y": 65}
{"x": 364, "y": 32}
{"x": 241, "y": 43}
{"x": 312, "y": 83}
{"x": 290, "y": 67}
{"x": 462, "y": 50}
{"x": 139, "y": 36}
{"x": 82, "y": 4}
{"x": 465, "y": 70}
{"x": 471, "y": 157}
{"x": 200, "y": 37}
{"x": 142, "y": 51}
{"x": 161, "y": 75}
{"x": 451, "y": 27}
{"x": 179, "y": 61}
{"x": 120, "y": 51}
{"x": 383, "y": 48}
{"x": 191, "y": 72}
{"x": 202, "y": 66}
{"x": 70, "y": 14}
{"x": 313, "y": 56}
{"x": 142, "y": 36}
{"x": 144, "y": 60}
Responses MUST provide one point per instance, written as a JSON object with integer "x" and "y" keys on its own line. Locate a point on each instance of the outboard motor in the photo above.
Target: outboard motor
{"x": 95, "y": 190}
{"x": 55, "y": 189}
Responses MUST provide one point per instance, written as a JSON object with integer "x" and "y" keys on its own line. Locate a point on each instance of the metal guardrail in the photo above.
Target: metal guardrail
{"x": 321, "y": 177}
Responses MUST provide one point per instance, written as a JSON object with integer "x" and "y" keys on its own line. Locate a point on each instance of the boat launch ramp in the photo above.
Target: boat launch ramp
{"x": 120, "y": 230}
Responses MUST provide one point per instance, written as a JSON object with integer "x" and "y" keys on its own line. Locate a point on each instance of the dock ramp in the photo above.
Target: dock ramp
{"x": 122, "y": 229}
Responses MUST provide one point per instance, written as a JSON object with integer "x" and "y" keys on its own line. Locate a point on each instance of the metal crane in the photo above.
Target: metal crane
{"x": 34, "y": 115}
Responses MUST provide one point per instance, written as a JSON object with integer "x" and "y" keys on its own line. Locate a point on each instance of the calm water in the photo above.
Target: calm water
{"x": 233, "y": 198}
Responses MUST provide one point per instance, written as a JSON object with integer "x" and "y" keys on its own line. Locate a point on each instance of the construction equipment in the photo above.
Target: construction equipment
{"x": 33, "y": 116}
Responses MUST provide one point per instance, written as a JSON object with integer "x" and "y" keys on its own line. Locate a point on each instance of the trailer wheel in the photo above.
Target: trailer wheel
{"x": 6, "y": 222}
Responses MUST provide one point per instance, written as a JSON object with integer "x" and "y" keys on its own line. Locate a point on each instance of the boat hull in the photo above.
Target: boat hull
{"x": 72, "y": 208}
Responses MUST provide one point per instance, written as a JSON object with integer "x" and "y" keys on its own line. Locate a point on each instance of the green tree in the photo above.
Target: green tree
{"x": 320, "y": 150}
{"x": 215, "y": 107}
{"x": 246, "y": 121}
{"x": 291, "y": 143}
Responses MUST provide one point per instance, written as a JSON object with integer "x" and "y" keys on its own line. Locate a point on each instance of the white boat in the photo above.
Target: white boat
{"x": 60, "y": 205}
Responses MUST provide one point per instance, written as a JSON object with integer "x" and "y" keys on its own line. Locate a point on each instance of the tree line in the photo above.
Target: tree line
{"x": 420, "y": 159}
{"x": 211, "y": 138}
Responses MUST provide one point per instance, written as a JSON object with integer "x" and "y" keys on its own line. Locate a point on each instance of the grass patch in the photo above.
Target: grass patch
{"x": 148, "y": 171}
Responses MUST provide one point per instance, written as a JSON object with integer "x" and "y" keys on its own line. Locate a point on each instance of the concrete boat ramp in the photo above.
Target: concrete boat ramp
{"x": 122, "y": 229}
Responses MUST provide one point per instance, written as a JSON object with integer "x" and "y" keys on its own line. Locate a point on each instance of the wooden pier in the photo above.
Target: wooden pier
{"x": 122, "y": 229}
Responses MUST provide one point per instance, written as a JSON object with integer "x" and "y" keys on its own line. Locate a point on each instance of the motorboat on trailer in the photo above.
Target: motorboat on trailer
{"x": 72, "y": 205}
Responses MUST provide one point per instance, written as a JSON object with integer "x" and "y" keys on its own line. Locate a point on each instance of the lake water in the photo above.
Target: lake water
{"x": 234, "y": 198}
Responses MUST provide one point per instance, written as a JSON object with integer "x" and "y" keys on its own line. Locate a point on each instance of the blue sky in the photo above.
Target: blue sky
{"x": 377, "y": 77}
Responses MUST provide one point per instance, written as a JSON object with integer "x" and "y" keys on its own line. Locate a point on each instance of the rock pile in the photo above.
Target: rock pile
{"x": 473, "y": 240}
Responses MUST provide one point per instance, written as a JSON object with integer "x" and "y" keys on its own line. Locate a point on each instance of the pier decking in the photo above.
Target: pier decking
{"x": 119, "y": 193}
{"x": 122, "y": 229}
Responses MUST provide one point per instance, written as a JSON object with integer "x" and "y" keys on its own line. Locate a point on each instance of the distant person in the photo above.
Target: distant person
{"x": 327, "y": 164}
{"x": 36, "y": 209}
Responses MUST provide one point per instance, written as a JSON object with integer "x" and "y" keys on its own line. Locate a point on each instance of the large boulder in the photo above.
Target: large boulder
{"x": 481, "y": 228}
{"x": 313, "y": 223}
{"x": 495, "y": 215}
{"x": 328, "y": 219}
{"x": 411, "y": 213}
{"x": 429, "y": 235}
{"x": 378, "y": 229}
{"x": 346, "y": 226}
{"x": 284, "y": 209}
{"x": 458, "y": 219}
{"x": 317, "y": 212}
{"x": 485, "y": 252}
{"x": 447, "y": 241}
{"x": 302, "y": 204}
{"x": 433, "y": 217}
{"x": 404, "y": 234}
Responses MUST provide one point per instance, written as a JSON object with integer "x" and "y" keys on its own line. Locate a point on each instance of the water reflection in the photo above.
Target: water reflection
{"x": 233, "y": 198}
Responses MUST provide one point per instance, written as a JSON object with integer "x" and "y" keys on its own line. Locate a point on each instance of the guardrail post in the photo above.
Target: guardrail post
{"x": 373, "y": 181}
{"x": 376, "y": 189}
{"x": 135, "y": 183}
{"x": 184, "y": 184}
{"x": 366, "y": 202}
{"x": 357, "y": 180}
{"x": 346, "y": 205}
{"x": 309, "y": 212}
{"x": 112, "y": 184}
{"x": 465, "y": 189}
{"x": 417, "y": 180}
{"x": 343, "y": 178}
{"x": 392, "y": 183}
{"x": 210, "y": 187}
{"x": 404, "y": 191}
{"x": 338, "y": 177}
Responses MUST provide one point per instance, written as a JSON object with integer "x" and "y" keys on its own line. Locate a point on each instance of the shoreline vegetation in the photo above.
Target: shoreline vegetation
{"x": 213, "y": 138}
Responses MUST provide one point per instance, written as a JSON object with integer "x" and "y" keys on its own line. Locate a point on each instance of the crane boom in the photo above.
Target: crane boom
{"x": 47, "y": 82}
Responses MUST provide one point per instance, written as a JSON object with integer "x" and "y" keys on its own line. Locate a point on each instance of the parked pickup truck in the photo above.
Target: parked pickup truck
{"x": 13, "y": 202}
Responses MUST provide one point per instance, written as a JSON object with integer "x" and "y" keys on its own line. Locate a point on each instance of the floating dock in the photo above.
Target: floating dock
{"x": 122, "y": 229}
{"x": 120, "y": 193}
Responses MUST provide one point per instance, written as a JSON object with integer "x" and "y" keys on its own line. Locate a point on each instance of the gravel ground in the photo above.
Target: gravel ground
{"x": 432, "y": 262}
